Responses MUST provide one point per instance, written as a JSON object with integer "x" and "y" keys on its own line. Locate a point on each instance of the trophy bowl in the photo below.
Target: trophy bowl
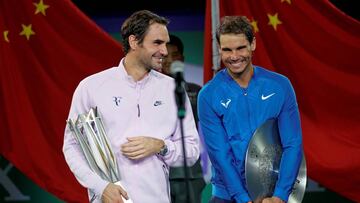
{"x": 262, "y": 164}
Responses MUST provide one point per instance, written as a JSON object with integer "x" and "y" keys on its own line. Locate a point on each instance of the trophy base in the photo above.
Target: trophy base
{"x": 124, "y": 200}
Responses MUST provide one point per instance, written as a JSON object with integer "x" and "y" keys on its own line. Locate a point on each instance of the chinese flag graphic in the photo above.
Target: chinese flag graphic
{"x": 317, "y": 47}
{"x": 46, "y": 48}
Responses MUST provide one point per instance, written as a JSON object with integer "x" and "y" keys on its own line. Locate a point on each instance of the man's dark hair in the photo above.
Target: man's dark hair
{"x": 138, "y": 24}
{"x": 176, "y": 41}
{"x": 235, "y": 25}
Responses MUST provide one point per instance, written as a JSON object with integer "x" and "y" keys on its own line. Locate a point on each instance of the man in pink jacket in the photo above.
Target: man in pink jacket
{"x": 139, "y": 112}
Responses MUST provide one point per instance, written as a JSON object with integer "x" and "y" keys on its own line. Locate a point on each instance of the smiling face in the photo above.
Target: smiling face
{"x": 152, "y": 50}
{"x": 236, "y": 53}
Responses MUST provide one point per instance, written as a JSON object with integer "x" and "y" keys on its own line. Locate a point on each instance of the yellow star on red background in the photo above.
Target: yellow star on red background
{"x": 41, "y": 7}
{"x": 288, "y": 1}
{"x": 5, "y": 33}
{"x": 27, "y": 31}
{"x": 255, "y": 26}
{"x": 274, "y": 20}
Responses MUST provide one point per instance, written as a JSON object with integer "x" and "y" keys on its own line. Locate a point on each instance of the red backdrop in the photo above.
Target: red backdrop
{"x": 46, "y": 48}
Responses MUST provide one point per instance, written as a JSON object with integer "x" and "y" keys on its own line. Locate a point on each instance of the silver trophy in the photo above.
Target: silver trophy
{"x": 262, "y": 165}
{"x": 88, "y": 129}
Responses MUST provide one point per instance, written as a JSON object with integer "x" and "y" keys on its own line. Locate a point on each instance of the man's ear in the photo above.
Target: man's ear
{"x": 133, "y": 42}
{"x": 253, "y": 44}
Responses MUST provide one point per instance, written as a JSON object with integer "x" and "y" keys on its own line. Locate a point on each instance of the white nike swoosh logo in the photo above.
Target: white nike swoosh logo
{"x": 266, "y": 97}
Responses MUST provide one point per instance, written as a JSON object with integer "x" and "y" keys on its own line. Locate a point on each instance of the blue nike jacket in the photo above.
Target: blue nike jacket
{"x": 230, "y": 114}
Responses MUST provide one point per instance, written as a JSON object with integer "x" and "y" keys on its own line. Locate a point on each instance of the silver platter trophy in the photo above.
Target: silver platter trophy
{"x": 262, "y": 164}
{"x": 88, "y": 129}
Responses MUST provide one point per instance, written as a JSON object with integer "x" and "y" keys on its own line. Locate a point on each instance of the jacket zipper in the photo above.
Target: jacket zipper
{"x": 138, "y": 107}
{"x": 245, "y": 92}
{"x": 138, "y": 90}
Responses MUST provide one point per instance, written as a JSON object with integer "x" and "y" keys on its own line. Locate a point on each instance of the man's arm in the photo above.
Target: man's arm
{"x": 174, "y": 156}
{"x": 219, "y": 150}
{"x": 142, "y": 146}
{"x": 290, "y": 135}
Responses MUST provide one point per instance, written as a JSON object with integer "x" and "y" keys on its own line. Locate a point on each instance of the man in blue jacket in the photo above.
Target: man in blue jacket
{"x": 238, "y": 100}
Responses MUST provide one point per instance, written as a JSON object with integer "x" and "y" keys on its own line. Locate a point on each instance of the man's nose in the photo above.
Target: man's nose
{"x": 234, "y": 55}
{"x": 163, "y": 50}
